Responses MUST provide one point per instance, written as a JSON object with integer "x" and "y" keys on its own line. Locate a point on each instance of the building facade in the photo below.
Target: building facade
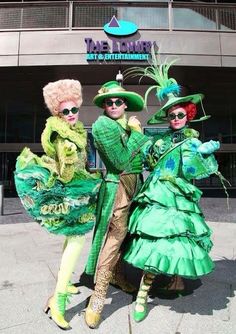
{"x": 43, "y": 41}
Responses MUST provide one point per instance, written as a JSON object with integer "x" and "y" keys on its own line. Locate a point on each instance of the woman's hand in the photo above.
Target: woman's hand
{"x": 134, "y": 124}
{"x": 209, "y": 147}
{"x": 69, "y": 147}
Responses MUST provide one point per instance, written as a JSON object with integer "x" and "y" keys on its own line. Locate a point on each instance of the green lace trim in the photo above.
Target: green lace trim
{"x": 182, "y": 134}
{"x": 61, "y": 300}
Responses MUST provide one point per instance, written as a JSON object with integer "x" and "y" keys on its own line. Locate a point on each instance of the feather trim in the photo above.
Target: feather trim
{"x": 158, "y": 73}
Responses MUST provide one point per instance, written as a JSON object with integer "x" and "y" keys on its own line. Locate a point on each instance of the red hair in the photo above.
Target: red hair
{"x": 189, "y": 107}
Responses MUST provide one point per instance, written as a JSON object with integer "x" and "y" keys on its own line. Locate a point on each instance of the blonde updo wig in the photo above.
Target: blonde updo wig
{"x": 60, "y": 91}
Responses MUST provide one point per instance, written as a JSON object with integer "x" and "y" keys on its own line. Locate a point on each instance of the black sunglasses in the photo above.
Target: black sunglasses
{"x": 66, "y": 111}
{"x": 117, "y": 102}
{"x": 173, "y": 116}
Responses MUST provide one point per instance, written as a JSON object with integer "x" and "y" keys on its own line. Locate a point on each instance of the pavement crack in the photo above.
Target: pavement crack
{"x": 50, "y": 270}
{"x": 178, "y": 325}
{"x": 17, "y": 325}
{"x": 129, "y": 321}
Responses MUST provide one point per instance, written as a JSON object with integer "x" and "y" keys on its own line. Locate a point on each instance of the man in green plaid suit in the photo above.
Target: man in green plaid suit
{"x": 119, "y": 142}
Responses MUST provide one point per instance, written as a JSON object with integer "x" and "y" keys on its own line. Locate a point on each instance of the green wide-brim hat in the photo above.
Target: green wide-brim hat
{"x": 161, "y": 115}
{"x": 110, "y": 89}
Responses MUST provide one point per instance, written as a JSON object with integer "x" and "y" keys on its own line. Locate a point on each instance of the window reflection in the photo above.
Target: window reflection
{"x": 91, "y": 151}
{"x": 196, "y": 18}
{"x": 41, "y": 116}
{"x": 20, "y": 123}
{"x": 2, "y": 124}
{"x": 7, "y": 167}
{"x": 218, "y": 128}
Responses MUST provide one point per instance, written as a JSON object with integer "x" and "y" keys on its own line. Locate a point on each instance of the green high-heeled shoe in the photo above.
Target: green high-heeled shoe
{"x": 140, "y": 310}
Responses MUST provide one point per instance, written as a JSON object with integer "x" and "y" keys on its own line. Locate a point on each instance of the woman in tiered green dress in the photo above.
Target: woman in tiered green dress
{"x": 56, "y": 189}
{"x": 168, "y": 232}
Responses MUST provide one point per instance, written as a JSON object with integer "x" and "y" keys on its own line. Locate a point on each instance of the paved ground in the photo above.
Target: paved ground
{"x": 29, "y": 263}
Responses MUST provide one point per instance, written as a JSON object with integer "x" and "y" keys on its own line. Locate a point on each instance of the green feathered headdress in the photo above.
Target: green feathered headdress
{"x": 166, "y": 88}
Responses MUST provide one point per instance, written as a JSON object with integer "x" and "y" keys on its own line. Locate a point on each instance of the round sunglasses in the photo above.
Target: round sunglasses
{"x": 117, "y": 102}
{"x": 173, "y": 116}
{"x": 66, "y": 111}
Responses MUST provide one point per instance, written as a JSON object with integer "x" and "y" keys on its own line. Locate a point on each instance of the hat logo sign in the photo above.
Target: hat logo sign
{"x": 120, "y": 27}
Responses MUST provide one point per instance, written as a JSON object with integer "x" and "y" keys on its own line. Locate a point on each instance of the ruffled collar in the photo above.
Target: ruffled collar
{"x": 180, "y": 135}
{"x": 75, "y": 133}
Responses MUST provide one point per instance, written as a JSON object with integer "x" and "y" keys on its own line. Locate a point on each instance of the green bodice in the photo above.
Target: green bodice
{"x": 178, "y": 156}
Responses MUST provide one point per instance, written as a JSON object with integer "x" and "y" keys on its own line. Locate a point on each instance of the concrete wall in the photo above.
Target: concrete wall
{"x": 36, "y": 48}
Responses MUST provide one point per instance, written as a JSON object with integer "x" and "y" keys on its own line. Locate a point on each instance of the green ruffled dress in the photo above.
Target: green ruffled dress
{"x": 55, "y": 189}
{"x": 168, "y": 232}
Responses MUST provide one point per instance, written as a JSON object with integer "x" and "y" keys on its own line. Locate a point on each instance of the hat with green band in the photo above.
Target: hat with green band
{"x": 112, "y": 89}
{"x": 161, "y": 115}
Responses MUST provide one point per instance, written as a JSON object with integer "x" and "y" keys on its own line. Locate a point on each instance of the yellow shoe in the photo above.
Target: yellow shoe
{"x": 72, "y": 289}
{"x": 93, "y": 311}
{"x": 57, "y": 304}
{"x": 97, "y": 300}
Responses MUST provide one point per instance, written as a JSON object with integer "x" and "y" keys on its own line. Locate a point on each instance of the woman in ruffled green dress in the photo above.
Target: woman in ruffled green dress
{"x": 56, "y": 189}
{"x": 168, "y": 232}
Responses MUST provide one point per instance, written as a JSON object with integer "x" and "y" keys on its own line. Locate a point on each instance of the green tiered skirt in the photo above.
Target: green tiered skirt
{"x": 62, "y": 208}
{"x": 168, "y": 231}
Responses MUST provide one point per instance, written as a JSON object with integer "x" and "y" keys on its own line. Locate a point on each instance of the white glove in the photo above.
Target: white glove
{"x": 134, "y": 124}
{"x": 208, "y": 147}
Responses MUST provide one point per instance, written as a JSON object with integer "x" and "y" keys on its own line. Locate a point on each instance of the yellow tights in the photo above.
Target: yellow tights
{"x": 72, "y": 249}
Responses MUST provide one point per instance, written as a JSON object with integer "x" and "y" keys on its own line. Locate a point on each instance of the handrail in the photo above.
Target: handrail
{"x": 117, "y": 3}
{"x": 33, "y": 3}
{"x": 215, "y": 17}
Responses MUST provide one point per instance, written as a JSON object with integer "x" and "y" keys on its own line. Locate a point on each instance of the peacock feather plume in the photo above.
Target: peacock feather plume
{"x": 157, "y": 72}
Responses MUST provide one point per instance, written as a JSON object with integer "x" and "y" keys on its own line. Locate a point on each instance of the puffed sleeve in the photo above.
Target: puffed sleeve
{"x": 194, "y": 164}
